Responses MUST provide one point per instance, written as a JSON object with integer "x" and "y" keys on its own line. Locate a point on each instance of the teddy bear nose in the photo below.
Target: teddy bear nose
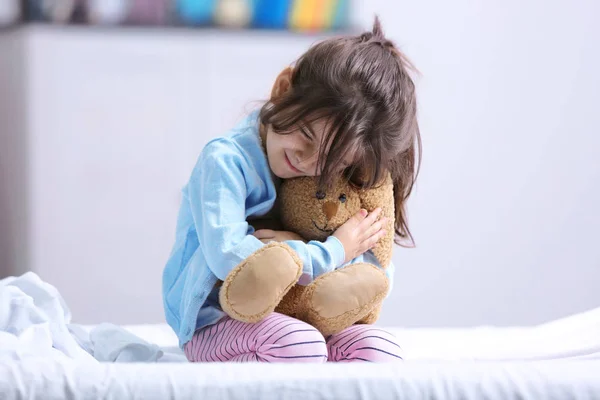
{"x": 330, "y": 209}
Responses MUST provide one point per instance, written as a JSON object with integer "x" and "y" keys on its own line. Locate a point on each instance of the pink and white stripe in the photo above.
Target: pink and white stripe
{"x": 279, "y": 338}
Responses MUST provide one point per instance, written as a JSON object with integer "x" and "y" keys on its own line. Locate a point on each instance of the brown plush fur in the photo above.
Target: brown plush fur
{"x": 313, "y": 219}
{"x": 335, "y": 300}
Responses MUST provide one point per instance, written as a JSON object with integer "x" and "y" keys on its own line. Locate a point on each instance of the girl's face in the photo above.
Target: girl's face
{"x": 295, "y": 154}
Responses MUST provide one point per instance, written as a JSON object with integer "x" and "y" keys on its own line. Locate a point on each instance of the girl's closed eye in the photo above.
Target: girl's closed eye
{"x": 307, "y": 133}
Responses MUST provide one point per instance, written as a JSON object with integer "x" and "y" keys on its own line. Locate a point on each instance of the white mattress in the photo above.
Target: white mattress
{"x": 559, "y": 360}
{"x": 410, "y": 380}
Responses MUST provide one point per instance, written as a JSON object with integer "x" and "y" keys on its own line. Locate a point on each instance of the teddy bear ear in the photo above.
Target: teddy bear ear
{"x": 382, "y": 196}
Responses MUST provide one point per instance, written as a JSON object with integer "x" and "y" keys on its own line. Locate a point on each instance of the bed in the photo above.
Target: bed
{"x": 45, "y": 356}
{"x": 409, "y": 380}
{"x": 558, "y": 360}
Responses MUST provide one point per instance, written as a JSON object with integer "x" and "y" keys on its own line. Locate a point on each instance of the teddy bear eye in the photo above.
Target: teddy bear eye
{"x": 342, "y": 198}
{"x": 320, "y": 195}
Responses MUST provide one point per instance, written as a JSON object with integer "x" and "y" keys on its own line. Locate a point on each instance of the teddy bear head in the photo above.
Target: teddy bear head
{"x": 315, "y": 214}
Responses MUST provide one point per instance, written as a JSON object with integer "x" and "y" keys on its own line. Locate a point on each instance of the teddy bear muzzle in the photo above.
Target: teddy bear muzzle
{"x": 330, "y": 210}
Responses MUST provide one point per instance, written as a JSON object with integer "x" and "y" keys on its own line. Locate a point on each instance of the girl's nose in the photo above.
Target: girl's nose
{"x": 307, "y": 160}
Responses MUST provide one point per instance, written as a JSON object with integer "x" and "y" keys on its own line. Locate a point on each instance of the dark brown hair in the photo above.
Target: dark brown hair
{"x": 361, "y": 85}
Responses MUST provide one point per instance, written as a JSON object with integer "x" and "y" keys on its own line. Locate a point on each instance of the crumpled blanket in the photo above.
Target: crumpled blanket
{"x": 35, "y": 322}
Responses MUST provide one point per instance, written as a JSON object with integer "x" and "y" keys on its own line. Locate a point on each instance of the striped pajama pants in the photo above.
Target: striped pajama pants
{"x": 279, "y": 338}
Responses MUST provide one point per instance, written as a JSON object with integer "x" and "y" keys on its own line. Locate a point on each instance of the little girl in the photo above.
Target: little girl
{"x": 346, "y": 110}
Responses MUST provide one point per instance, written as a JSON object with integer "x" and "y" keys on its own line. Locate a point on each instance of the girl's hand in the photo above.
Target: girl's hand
{"x": 360, "y": 233}
{"x": 268, "y": 235}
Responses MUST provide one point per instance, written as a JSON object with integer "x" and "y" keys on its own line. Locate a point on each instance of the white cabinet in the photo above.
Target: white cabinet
{"x": 114, "y": 121}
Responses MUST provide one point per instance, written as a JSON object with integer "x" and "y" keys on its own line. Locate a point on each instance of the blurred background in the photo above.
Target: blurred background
{"x": 105, "y": 105}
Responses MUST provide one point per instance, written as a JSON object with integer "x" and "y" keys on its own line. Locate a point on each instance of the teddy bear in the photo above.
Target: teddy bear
{"x": 267, "y": 280}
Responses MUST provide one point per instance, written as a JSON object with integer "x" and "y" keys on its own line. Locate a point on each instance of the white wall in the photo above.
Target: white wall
{"x": 505, "y": 213}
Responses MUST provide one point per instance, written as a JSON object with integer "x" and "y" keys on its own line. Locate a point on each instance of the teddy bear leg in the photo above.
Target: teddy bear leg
{"x": 372, "y": 317}
{"x": 341, "y": 298}
{"x": 290, "y": 304}
{"x": 255, "y": 287}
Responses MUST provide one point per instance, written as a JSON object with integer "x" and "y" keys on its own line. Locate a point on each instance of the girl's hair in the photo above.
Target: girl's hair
{"x": 361, "y": 86}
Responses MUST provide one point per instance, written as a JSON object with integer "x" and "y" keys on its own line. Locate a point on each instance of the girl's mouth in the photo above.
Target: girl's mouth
{"x": 290, "y": 165}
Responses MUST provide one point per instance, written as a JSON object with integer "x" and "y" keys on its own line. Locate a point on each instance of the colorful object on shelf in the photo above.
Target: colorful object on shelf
{"x": 107, "y": 12}
{"x": 271, "y": 14}
{"x": 10, "y": 12}
{"x": 151, "y": 12}
{"x": 233, "y": 13}
{"x": 57, "y": 11}
{"x": 318, "y": 15}
{"x": 296, "y": 15}
{"x": 33, "y": 10}
{"x": 341, "y": 14}
{"x": 195, "y": 12}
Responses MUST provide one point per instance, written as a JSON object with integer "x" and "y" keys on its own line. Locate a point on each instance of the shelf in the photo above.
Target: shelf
{"x": 173, "y": 30}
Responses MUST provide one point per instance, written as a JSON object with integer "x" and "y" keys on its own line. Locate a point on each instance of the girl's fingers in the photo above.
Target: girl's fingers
{"x": 375, "y": 228}
{"x": 264, "y": 234}
{"x": 359, "y": 217}
{"x": 371, "y": 218}
{"x": 374, "y": 239}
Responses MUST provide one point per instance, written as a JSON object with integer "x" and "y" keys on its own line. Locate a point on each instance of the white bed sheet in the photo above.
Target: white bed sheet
{"x": 558, "y": 360}
{"x": 46, "y": 379}
{"x": 573, "y": 337}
